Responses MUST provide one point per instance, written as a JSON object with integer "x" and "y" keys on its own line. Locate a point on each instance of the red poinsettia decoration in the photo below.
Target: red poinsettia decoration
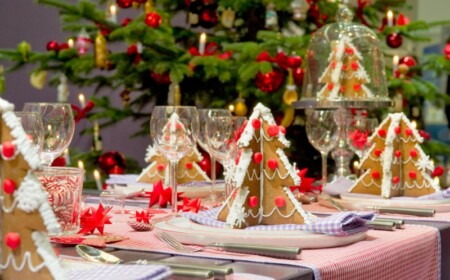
{"x": 306, "y": 184}
{"x": 92, "y": 219}
{"x": 162, "y": 196}
{"x": 358, "y": 138}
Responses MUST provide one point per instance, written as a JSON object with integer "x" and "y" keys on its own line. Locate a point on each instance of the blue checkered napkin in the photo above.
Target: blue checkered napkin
{"x": 120, "y": 272}
{"x": 340, "y": 224}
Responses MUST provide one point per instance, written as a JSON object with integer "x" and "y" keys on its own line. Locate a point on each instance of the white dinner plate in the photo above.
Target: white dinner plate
{"x": 189, "y": 232}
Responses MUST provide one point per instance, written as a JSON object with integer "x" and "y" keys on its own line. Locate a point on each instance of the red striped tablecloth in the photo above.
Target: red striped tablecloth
{"x": 411, "y": 253}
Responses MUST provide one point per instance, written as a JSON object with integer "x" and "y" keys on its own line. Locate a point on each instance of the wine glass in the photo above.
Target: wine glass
{"x": 32, "y": 125}
{"x": 174, "y": 131}
{"x": 322, "y": 132}
{"x": 58, "y": 126}
{"x": 203, "y": 116}
{"x": 358, "y": 130}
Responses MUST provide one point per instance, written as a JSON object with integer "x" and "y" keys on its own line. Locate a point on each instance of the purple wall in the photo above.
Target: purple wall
{"x": 37, "y": 24}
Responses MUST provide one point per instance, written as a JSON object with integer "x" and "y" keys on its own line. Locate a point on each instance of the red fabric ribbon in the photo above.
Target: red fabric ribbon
{"x": 92, "y": 219}
{"x": 360, "y": 11}
{"x": 81, "y": 113}
{"x": 162, "y": 196}
{"x": 358, "y": 138}
{"x": 306, "y": 184}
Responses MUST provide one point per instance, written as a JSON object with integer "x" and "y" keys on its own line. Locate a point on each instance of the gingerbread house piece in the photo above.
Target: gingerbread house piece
{"x": 344, "y": 76}
{"x": 262, "y": 177}
{"x": 26, "y": 213}
{"x": 395, "y": 163}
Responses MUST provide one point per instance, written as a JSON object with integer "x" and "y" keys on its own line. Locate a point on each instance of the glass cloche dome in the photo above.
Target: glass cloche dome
{"x": 345, "y": 67}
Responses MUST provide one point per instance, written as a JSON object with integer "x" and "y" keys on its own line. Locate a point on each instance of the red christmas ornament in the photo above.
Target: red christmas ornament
{"x": 438, "y": 171}
{"x": 92, "y": 219}
{"x": 395, "y": 179}
{"x": 124, "y": 4}
{"x": 8, "y": 150}
{"x": 273, "y": 130}
{"x": 271, "y": 81}
{"x": 375, "y": 174}
{"x": 408, "y": 131}
{"x": 132, "y": 50}
{"x": 59, "y": 161}
{"x": 280, "y": 202}
{"x": 126, "y": 21}
{"x": 294, "y": 61}
{"x": 208, "y": 18}
{"x": 281, "y": 59}
{"x": 412, "y": 174}
{"x": 272, "y": 163}
{"x": 160, "y": 166}
{"x": 53, "y": 46}
{"x": 110, "y": 159}
{"x": 161, "y": 79}
{"x": 397, "y": 130}
{"x": 398, "y": 153}
{"x": 377, "y": 152}
{"x": 298, "y": 75}
{"x": 9, "y": 186}
{"x": 205, "y": 164}
{"x": 382, "y": 133}
{"x": 63, "y": 46}
{"x": 264, "y": 56}
{"x": 153, "y": 19}
{"x": 394, "y": 40}
{"x": 256, "y": 123}
{"x": 189, "y": 165}
{"x": 402, "y": 20}
{"x": 413, "y": 153}
{"x": 12, "y": 240}
{"x": 257, "y": 158}
{"x": 116, "y": 170}
{"x": 408, "y": 60}
{"x": 424, "y": 134}
{"x": 253, "y": 201}
{"x": 447, "y": 51}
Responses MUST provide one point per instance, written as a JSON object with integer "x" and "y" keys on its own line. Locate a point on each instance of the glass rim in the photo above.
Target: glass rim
{"x": 48, "y": 103}
{"x": 60, "y": 170}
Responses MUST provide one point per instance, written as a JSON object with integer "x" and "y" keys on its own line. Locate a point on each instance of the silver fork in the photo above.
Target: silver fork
{"x": 173, "y": 243}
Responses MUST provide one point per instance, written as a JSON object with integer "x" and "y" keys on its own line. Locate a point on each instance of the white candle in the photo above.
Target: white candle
{"x": 113, "y": 13}
{"x": 70, "y": 43}
{"x": 414, "y": 124}
{"x": 82, "y": 100}
{"x": 390, "y": 18}
{"x": 201, "y": 47}
{"x": 67, "y": 156}
{"x": 395, "y": 61}
{"x": 98, "y": 180}
{"x": 81, "y": 166}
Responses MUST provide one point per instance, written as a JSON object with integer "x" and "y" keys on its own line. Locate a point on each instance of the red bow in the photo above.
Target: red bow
{"x": 281, "y": 59}
{"x": 359, "y": 139}
{"x": 210, "y": 49}
{"x": 191, "y": 205}
{"x": 360, "y": 11}
{"x": 438, "y": 171}
{"x": 81, "y": 113}
{"x": 425, "y": 135}
{"x": 92, "y": 219}
{"x": 306, "y": 184}
{"x": 161, "y": 195}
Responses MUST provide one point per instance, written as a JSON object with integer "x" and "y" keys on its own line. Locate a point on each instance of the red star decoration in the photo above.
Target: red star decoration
{"x": 306, "y": 184}
{"x": 162, "y": 196}
{"x": 143, "y": 216}
{"x": 92, "y": 219}
{"x": 190, "y": 205}
{"x": 359, "y": 139}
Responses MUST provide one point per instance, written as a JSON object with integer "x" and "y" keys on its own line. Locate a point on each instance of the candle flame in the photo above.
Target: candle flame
{"x": 82, "y": 99}
{"x": 96, "y": 174}
{"x": 70, "y": 43}
{"x": 80, "y": 164}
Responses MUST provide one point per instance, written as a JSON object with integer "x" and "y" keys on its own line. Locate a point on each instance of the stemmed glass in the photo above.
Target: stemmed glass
{"x": 32, "y": 125}
{"x": 322, "y": 132}
{"x": 204, "y": 114}
{"x": 358, "y": 130}
{"x": 58, "y": 127}
{"x": 174, "y": 131}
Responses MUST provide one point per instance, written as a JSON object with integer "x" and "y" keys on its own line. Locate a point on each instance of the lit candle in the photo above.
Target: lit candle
{"x": 82, "y": 100}
{"x": 81, "y": 166}
{"x": 390, "y": 18}
{"x": 70, "y": 43}
{"x": 67, "y": 156}
{"x": 201, "y": 47}
{"x": 437, "y": 181}
{"x": 356, "y": 164}
{"x": 113, "y": 13}
{"x": 98, "y": 180}
{"x": 414, "y": 124}
{"x": 395, "y": 61}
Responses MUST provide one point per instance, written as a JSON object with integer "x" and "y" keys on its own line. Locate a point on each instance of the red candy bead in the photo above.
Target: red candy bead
{"x": 272, "y": 130}
{"x": 330, "y": 86}
{"x": 280, "y": 202}
{"x": 188, "y": 165}
{"x": 382, "y": 132}
{"x": 395, "y": 179}
{"x": 354, "y": 65}
{"x": 8, "y": 150}
{"x": 412, "y": 174}
{"x": 161, "y": 167}
{"x": 398, "y": 153}
{"x": 413, "y": 153}
{"x": 408, "y": 132}
{"x": 377, "y": 152}
{"x": 282, "y": 129}
{"x": 357, "y": 87}
{"x": 375, "y": 174}
{"x": 256, "y": 123}
{"x": 257, "y": 158}
{"x": 273, "y": 164}
{"x": 397, "y": 130}
{"x": 349, "y": 51}
{"x": 253, "y": 201}
{"x": 9, "y": 186}
{"x": 12, "y": 240}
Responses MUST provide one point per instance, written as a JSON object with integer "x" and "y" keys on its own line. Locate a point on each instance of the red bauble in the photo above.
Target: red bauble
{"x": 408, "y": 60}
{"x": 116, "y": 170}
{"x": 447, "y": 51}
{"x": 208, "y": 18}
{"x": 12, "y": 240}
{"x": 111, "y": 159}
{"x": 53, "y": 46}
{"x": 298, "y": 75}
{"x": 271, "y": 81}
{"x": 132, "y": 50}
{"x": 63, "y": 46}
{"x": 394, "y": 40}
{"x": 9, "y": 186}
{"x": 153, "y": 19}
{"x": 126, "y": 21}
{"x": 124, "y": 4}
{"x": 59, "y": 161}
{"x": 205, "y": 164}
{"x": 294, "y": 61}
{"x": 161, "y": 79}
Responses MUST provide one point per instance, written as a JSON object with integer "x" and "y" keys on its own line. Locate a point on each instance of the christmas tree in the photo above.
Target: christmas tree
{"x": 396, "y": 164}
{"x": 263, "y": 176}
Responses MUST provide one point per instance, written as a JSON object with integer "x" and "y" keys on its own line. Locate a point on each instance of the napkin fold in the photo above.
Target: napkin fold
{"x": 119, "y": 272}
{"x": 340, "y": 224}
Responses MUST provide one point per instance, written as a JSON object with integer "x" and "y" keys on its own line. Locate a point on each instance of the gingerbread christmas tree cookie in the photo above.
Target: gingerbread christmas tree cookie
{"x": 26, "y": 213}
{"x": 396, "y": 165}
{"x": 344, "y": 76}
{"x": 262, "y": 177}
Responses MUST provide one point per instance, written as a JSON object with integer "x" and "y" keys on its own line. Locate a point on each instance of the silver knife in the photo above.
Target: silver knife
{"x": 407, "y": 211}
{"x": 283, "y": 252}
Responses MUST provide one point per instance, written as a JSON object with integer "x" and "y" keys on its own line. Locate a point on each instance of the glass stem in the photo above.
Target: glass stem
{"x": 213, "y": 175}
{"x": 173, "y": 183}
{"x": 324, "y": 168}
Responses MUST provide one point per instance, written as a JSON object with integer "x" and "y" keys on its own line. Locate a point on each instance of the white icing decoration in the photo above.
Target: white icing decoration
{"x": 290, "y": 169}
{"x": 11, "y": 261}
{"x": 242, "y": 167}
{"x": 151, "y": 152}
{"x": 307, "y": 217}
{"x": 388, "y": 154}
{"x": 45, "y": 250}
{"x": 424, "y": 163}
{"x": 236, "y": 216}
